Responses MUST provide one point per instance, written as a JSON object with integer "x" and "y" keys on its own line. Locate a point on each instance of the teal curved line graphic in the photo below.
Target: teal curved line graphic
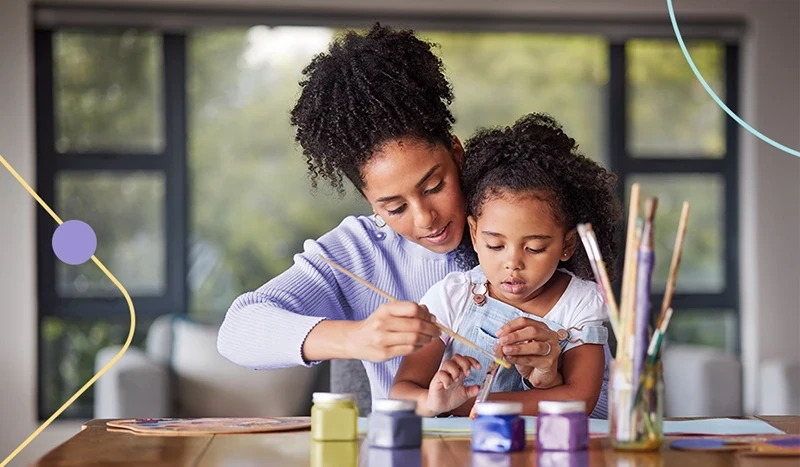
{"x": 715, "y": 97}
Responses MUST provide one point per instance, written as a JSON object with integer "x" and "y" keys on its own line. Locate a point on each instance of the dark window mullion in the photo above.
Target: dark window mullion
{"x": 111, "y": 308}
{"x": 45, "y": 187}
{"x": 176, "y": 137}
{"x": 633, "y": 166}
{"x": 617, "y": 130}
{"x": 731, "y": 172}
{"x": 108, "y": 162}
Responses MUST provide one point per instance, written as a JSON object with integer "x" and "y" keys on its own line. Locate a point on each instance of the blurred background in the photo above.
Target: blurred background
{"x": 165, "y": 127}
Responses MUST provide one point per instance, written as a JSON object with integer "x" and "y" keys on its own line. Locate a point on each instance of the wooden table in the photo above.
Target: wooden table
{"x": 95, "y": 446}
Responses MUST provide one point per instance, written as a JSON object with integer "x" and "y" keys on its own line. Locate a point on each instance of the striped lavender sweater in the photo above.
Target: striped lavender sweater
{"x": 266, "y": 328}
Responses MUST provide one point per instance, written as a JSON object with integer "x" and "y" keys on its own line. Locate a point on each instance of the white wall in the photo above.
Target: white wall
{"x": 770, "y": 218}
{"x": 17, "y": 243}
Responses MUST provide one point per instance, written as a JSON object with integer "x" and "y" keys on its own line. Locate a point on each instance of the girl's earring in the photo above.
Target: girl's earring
{"x": 379, "y": 222}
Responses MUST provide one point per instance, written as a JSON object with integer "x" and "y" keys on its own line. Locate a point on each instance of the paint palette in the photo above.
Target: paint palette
{"x": 208, "y": 426}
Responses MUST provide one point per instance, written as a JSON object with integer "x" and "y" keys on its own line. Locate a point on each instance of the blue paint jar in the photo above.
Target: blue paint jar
{"x": 394, "y": 424}
{"x": 562, "y": 426}
{"x": 498, "y": 427}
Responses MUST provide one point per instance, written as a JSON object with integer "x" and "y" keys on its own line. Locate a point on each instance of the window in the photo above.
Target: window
{"x": 176, "y": 148}
{"x": 671, "y": 137}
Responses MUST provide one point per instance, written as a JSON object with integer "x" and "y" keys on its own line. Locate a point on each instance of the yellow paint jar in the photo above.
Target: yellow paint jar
{"x": 334, "y": 417}
{"x": 334, "y": 453}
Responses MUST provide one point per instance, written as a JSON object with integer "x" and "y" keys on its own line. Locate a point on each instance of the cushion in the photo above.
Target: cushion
{"x": 209, "y": 385}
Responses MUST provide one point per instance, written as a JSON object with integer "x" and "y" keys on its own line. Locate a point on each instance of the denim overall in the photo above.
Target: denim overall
{"x": 485, "y": 315}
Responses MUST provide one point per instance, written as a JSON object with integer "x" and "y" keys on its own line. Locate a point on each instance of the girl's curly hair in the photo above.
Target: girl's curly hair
{"x": 536, "y": 155}
{"x": 365, "y": 91}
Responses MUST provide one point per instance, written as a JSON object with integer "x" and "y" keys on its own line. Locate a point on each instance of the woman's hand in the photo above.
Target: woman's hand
{"x": 533, "y": 348}
{"x": 395, "y": 329}
{"x": 447, "y": 391}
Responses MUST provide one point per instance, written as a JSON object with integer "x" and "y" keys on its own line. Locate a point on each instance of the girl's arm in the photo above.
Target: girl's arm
{"x": 415, "y": 374}
{"x": 582, "y": 369}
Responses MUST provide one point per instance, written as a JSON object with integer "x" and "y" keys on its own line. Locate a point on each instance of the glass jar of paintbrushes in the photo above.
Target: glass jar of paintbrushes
{"x": 636, "y": 384}
{"x": 636, "y": 411}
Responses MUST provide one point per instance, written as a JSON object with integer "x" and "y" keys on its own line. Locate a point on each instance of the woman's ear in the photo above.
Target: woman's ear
{"x": 458, "y": 151}
{"x": 473, "y": 229}
{"x": 570, "y": 244}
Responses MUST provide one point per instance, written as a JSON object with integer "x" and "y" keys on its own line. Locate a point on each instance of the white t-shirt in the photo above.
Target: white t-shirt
{"x": 581, "y": 304}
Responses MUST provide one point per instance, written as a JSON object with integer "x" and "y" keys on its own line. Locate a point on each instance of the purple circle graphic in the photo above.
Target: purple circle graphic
{"x": 74, "y": 242}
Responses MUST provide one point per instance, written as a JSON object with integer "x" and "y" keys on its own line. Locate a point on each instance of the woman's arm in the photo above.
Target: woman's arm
{"x": 582, "y": 369}
{"x": 304, "y": 315}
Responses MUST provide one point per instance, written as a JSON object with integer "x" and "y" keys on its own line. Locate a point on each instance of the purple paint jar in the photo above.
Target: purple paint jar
{"x": 562, "y": 426}
{"x": 394, "y": 424}
{"x": 498, "y": 427}
{"x": 562, "y": 459}
{"x": 409, "y": 457}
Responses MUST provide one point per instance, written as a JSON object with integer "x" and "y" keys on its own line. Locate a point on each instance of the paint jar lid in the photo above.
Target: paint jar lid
{"x": 323, "y": 397}
{"x": 546, "y": 407}
{"x": 393, "y": 405}
{"x": 499, "y": 408}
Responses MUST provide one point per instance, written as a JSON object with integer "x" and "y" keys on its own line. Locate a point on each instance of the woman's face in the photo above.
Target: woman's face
{"x": 414, "y": 186}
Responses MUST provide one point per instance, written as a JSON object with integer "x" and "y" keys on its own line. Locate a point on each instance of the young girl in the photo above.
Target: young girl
{"x": 527, "y": 188}
{"x": 373, "y": 110}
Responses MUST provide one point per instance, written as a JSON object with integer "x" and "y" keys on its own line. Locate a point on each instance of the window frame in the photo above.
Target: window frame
{"x": 172, "y": 161}
{"x": 626, "y": 165}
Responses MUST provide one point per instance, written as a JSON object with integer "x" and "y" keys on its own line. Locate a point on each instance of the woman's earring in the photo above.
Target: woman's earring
{"x": 380, "y": 225}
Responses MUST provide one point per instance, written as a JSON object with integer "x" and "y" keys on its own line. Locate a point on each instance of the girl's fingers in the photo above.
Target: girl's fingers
{"x": 444, "y": 378}
{"x": 464, "y": 363}
{"x": 475, "y": 363}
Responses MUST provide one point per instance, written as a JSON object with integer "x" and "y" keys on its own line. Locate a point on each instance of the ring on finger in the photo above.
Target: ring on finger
{"x": 549, "y": 349}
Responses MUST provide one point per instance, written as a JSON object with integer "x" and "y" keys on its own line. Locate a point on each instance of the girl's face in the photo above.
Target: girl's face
{"x": 414, "y": 186}
{"x": 520, "y": 244}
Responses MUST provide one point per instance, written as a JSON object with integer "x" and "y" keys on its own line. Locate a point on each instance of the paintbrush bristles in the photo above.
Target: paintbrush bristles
{"x": 592, "y": 248}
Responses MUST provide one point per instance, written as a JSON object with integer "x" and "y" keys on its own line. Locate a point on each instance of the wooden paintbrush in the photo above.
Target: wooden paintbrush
{"x": 627, "y": 294}
{"x": 454, "y": 335}
{"x": 676, "y": 260}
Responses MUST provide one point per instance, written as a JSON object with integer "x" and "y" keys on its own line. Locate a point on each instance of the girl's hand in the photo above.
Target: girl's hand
{"x": 447, "y": 391}
{"x": 395, "y": 329}
{"x": 533, "y": 349}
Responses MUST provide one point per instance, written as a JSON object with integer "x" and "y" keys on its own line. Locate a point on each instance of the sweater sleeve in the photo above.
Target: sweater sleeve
{"x": 266, "y": 328}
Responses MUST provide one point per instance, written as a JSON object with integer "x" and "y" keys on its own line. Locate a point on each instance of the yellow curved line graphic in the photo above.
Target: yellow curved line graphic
{"x": 109, "y": 364}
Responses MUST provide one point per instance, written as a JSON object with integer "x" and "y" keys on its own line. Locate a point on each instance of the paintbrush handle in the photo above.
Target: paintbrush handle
{"x": 444, "y": 329}
{"x": 675, "y": 263}
{"x": 469, "y": 344}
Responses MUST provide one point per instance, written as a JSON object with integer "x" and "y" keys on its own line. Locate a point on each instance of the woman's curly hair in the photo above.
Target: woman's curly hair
{"x": 365, "y": 91}
{"x": 536, "y": 155}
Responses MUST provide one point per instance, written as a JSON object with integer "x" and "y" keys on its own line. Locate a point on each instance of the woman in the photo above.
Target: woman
{"x": 373, "y": 109}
